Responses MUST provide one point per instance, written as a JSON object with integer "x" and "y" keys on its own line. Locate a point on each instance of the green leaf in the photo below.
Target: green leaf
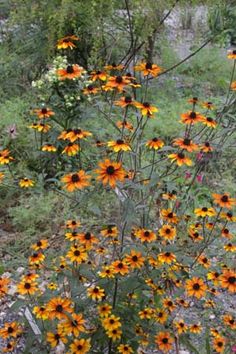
{"x": 185, "y": 341}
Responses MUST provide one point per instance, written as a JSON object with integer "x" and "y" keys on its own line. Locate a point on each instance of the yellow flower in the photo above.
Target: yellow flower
{"x": 26, "y": 183}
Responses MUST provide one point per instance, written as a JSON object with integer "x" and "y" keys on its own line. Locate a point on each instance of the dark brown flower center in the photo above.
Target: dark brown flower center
{"x": 110, "y": 170}
{"x": 192, "y": 115}
{"x": 90, "y": 87}
{"x": 187, "y": 141}
{"x": 154, "y": 140}
{"x": 57, "y": 336}
{"x": 44, "y": 110}
{"x": 146, "y": 233}
{"x": 87, "y": 236}
{"x": 119, "y": 79}
{"x": 128, "y": 99}
{"x": 59, "y": 308}
{"x": 209, "y": 119}
{"x": 27, "y": 286}
{"x": 167, "y": 254}
{"x": 79, "y": 347}
{"x": 148, "y": 66}
{"x": 76, "y": 253}
{"x": 119, "y": 141}
{"x": 146, "y": 104}
{"x": 69, "y": 69}
{"x": 224, "y": 198}
{"x": 204, "y": 209}
{"x": 10, "y": 330}
{"x": 135, "y": 258}
{"x": 77, "y": 131}
{"x": 232, "y": 280}
{"x": 165, "y": 340}
{"x": 96, "y": 290}
{"x": 120, "y": 265}
{"x": 196, "y": 286}
{"x": 75, "y": 178}
{"x": 181, "y": 155}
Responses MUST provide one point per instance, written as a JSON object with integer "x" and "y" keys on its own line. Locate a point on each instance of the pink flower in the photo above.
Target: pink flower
{"x": 199, "y": 156}
{"x": 188, "y": 175}
{"x": 199, "y": 178}
{"x": 233, "y": 348}
{"x": 11, "y": 130}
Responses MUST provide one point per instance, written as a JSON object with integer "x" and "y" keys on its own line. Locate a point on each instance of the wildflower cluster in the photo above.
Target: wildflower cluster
{"x": 152, "y": 274}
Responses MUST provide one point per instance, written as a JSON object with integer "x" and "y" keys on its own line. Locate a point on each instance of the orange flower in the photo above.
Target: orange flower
{"x": 146, "y": 108}
{"x": 71, "y": 72}
{"x": 169, "y": 215}
{"x": 96, "y": 293}
{"x": 80, "y": 346}
{"x": 125, "y": 349}
{"x": 120, "y": 267}
{"x": 55, "y": 338}
{"x": 4, "y": 157}
{"x": 118, "y": 82}
{"x": 4, "y": 283}
{"x": 73, "y": 325}
{"x": 77, "y": 254}
{"x": 203, "y": 212}
{"x": 110, "y": 231}
{"x": 26, "y": 183}
{"x": 233, "y": 86}
{"x": 231, "y": 54}
{"x": 196, "y": 287}
{"x": 119, "y": 145}
{"x": 49, "y": 148}
{"x": 87, "y": 239}
{"x": 67, "y": 42}
{"x": 166, "y": 257}
{"x": 228, "y": 280}
{"x": 98, "y": 75}
{"x": 59, "y": 308}
{"x": 191, "y": 117}
{"x": 124, "y": 125}
{"x": 125, "y": 102}
{"x": 180, "y": 159}
{"x": 71, "y": 149}
{"x": 40, "y": 312}
{"x": 155, "y": 143}
{"x": 74, "y": 134}
{"x": 208, "y": 105}
{"x": 195, "y": 328}
{"x": 111, "y": 322}
{"x": 193, "y": 100}
{"x": 168, "y": 232}
{"x": 206, "y": 147}
{"x": 135, "y": 259}
{"x": 209, "y": 122}
{"x": 148, "y": 69}
{"x": 145, "y": 235}
{"x": 164, "y": 341}
{"x": 110, "y": 172}
{"x": 185, "y": 144}
{"x": 40, "y": 245}
{"x": 219, "y": 344}
{"x": 10, "y": 329}
{"x": 76, "y": 180}
{"x": 90, "y": 89}
{"x": 224, "y": 200}
{"x": 114, "y": 66}
{"x": 41, "y": 127}
{"x": 44, "y": 112}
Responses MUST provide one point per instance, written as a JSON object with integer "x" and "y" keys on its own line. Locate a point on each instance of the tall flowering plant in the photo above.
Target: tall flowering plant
{"x": 151, "y": 271}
